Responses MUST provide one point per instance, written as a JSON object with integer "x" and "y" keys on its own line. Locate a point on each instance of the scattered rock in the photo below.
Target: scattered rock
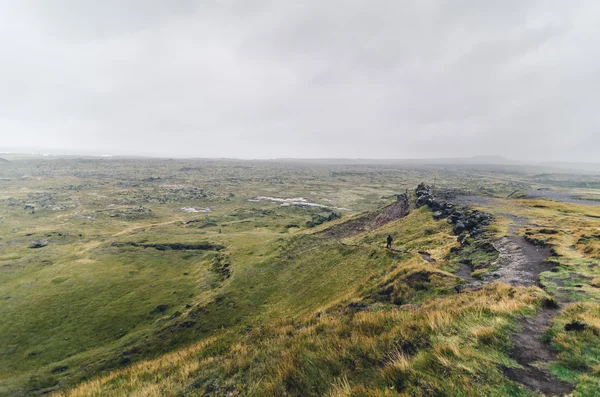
{"x": 37, "y": 244}
{"x": 463, "y": 220}
{"x": 459, "y": 228}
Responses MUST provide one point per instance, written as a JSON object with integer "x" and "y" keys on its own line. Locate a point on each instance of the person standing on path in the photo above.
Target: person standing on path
{"x": 389, "y": 241}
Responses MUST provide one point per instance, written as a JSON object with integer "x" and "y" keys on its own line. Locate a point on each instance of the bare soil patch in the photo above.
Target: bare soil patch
{"x": 369, "y": 221}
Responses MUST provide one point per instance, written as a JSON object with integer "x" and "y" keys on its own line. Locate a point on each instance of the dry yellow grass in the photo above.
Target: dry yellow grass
{"x": 155, "y": 378}
{"x": 281, "y": 355}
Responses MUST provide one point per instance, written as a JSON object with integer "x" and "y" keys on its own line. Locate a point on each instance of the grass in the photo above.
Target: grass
{"x": 278, "y": 311}
{"x": 385, "y": 347}
{"x": 374, "y": 352}
{"x": 579, "y": 352}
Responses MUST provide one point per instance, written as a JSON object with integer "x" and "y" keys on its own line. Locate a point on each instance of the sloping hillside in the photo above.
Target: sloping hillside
{"x": 355, "y": 319}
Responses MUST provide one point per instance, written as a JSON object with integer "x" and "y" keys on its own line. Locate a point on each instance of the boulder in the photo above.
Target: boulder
{"x": 459, "y": 227}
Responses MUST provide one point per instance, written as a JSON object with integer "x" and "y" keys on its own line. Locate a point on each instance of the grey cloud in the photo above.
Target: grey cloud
{"x": 383, "y": 79}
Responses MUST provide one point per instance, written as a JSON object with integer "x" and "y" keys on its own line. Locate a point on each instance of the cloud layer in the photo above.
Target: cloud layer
{"x": 265, "y": 79}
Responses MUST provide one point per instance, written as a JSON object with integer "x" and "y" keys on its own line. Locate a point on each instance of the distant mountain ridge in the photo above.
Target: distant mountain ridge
{"x": 550, "y": 166}
{"x": 478, "y": 160}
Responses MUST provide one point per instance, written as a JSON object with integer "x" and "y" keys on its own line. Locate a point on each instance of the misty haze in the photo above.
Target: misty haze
{"x": 274, "y": 198}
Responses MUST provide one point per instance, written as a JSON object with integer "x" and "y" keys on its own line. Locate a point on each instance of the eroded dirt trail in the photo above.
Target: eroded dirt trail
{"x": 534, "y": 355}
{"x": 519, "y": 264}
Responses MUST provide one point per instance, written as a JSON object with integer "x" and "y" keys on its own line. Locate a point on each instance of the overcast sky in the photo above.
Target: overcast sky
{"x": 283, "y": 78}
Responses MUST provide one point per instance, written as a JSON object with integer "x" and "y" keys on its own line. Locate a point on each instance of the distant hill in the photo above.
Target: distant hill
{"x": 4, "y": 160}
{"x": 475, "y": 160}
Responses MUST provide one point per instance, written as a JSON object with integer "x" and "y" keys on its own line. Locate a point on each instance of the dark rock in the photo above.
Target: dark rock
{"x": 549, "y": 303}
{"x": 458, "y": 214}
{"x": 462, "y": 238}
{"x": 124, "y": 361}
{"x": 38, "y": 244}
{"x": 436, "y": 205}
{"x": 160, "y": 308}
{"x": 58, "y": 370}
{"x": 575, "y": 325}
{"x": 459, "y": 228}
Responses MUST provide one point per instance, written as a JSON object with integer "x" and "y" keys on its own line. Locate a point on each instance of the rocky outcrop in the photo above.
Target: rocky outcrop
{"x": 464, "y": 220}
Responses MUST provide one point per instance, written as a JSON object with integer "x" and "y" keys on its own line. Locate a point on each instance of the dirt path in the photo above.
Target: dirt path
{"x": 519, "y": 264}
{"x": 533, "y": 354}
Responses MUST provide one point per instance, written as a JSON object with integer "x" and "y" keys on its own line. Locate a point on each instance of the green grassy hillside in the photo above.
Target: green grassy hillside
{"x": 334, "y": 324}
